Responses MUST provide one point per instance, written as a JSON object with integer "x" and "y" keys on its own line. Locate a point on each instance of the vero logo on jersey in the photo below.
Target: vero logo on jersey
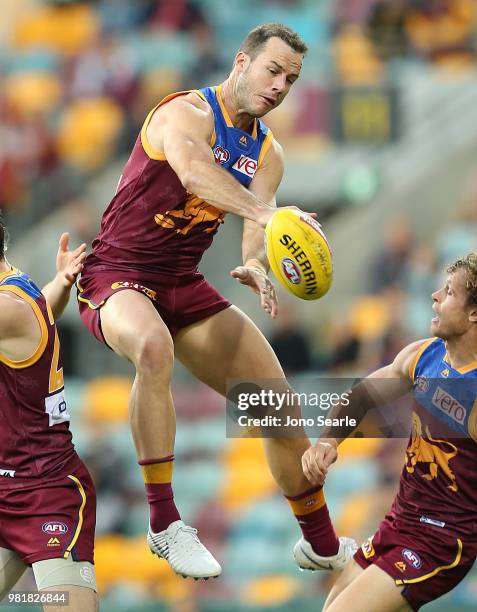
{"x": 449, "y": 405}
{"x": 55, "y": 528}
{"x": 246, "y": 165}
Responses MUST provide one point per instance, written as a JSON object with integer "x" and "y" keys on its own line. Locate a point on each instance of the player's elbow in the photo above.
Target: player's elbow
{"x": 190, "y": 177}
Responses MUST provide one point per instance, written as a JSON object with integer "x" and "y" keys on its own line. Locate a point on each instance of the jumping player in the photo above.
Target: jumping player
{"x": 199, "y": 155}
{"x": 428, "y": 542}
{"x": 47, "y": 498}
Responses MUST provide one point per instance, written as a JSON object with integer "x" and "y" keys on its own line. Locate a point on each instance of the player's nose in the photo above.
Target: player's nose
{"x": 280, "y": 83}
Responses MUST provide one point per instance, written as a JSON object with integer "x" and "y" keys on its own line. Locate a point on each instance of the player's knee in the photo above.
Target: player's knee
{"x": 154, "y": 353}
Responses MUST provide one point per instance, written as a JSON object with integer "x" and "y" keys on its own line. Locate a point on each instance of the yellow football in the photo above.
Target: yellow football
{"x": 299, "y": 253}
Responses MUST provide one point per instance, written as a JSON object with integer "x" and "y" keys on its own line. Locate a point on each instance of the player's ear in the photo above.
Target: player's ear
{"x": 473, "y": 314}
{"x": 242, "y": 61}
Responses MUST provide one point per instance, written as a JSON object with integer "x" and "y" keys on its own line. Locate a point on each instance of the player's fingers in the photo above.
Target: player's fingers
{"x": 308, "y": 467}
{"x": 63, "y": 242}
{"x": 329, "y": 457}
{"x": 240, "y": 273}
{"x": 80, "y": 249}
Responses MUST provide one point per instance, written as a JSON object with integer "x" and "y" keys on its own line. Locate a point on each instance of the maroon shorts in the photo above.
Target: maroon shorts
{"x": 55, "y": 518}
{"x": 180, "y": 301}
{"x": 425, "y": 560}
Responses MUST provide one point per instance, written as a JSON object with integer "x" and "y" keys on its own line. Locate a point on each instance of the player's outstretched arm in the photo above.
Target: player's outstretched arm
{"x": 183, "y": 129}
{"x": 253, "y": 272}
{"x": 378, "y": 389}
{"x": 68, "y": 265}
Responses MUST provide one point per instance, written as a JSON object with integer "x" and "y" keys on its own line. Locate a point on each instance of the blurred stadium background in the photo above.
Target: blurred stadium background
{"x": 380, "y": 136}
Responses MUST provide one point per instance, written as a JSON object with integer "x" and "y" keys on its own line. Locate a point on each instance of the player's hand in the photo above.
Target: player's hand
{"x": 69, "y": 263}
{"x": 317, "y": 459}
{"x": 265, "y": 214}
{"x": 259, "y": 282}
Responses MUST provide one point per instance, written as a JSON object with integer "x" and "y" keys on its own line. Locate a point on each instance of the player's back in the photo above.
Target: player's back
{"x": 439, "y": 481}
{"x": 35, "y": 441}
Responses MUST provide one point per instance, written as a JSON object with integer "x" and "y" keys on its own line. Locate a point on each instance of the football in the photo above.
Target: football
{"x": 299, "y": 253}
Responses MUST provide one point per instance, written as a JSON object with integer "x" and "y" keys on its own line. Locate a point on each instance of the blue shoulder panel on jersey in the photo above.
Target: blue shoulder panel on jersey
{"x": 235, "y": 150}
{"x": 23, "y": 282}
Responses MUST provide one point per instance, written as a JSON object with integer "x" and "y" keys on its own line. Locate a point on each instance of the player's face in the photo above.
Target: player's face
{"x": 264, "y": 82}
{"x": 451, "y": 308}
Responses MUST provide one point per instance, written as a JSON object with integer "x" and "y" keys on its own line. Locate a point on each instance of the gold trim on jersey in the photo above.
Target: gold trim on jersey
{"x": 472, "y": 422}
{"x": 150, "y": 151}
{"x": 454, "y": 563}
{"x": 418, "y": 355}
{"x": 464, "y": 369}
{"x": 266, "y": 144}
{"x": 225, "y": 113}
{"x": 80, "y": 515}
{"x": 38, "y": 352}
{"x": 8, "y": 273}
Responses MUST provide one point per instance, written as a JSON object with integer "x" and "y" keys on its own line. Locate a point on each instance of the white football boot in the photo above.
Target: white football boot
{"x": 182, "y": 549}
{"x": 307, "y": 559}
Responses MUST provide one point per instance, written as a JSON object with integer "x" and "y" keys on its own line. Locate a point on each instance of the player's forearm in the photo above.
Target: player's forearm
{"x": 57, "y": 295}
{"x": 213, "y": 184}
{"x": 348, "y": 413}
{"x": 253, "y": 246}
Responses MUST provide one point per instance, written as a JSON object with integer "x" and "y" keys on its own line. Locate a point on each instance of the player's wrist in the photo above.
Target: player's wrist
{"x": 257, "y": 265}
{"x": 331, "y": 441}
{"x": 63, "y": 281}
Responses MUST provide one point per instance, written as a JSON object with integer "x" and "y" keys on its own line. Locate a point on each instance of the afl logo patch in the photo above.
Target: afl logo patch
{"x": 291, "y": 270}
{"x": 55, "y": 527}
{"x": 412, "y": 557}
{"x": 221, "y": 155}
{"x": 421, "y": 384}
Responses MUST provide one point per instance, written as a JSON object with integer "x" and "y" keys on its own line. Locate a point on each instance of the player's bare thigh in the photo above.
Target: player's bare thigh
{"x": 369, "y": 590}
{"x": 129, "y": 321}
{"x": 227, "y": 345}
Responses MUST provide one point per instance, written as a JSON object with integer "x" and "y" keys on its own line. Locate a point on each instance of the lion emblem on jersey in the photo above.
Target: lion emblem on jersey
{"x": 195, "y": 212}
{"x": 430, "y": 451}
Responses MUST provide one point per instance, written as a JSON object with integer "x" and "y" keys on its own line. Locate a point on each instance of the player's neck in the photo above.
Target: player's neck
{"x": 462, "y": 351}
{"x": 4, "y": 266}
{"x": 240, "y": 119}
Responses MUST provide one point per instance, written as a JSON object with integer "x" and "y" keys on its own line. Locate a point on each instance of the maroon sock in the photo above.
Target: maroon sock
{"x": 312, "y": 514}
{"x": 157, "y": 475}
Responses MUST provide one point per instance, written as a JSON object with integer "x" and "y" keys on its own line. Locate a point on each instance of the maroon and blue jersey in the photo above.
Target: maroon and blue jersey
{"x": 438, "y": 484}
{"x": 153, "y": 224}
{"x": 35, "y": 441}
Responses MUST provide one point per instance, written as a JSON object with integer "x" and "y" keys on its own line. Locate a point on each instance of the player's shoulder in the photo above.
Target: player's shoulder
{"x": 191, "y": 102}
{"x": 406, "y": 360}
{"x": 14, "y": 313}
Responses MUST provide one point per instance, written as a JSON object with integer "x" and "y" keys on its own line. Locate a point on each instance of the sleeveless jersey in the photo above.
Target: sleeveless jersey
{"x": 35, "y": 441}
{"x": 438, "y": 484}
{"x": 152, "y": 223}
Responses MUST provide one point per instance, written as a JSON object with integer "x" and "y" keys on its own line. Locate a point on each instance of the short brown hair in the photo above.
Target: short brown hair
{"x": 259, "y": 36}
{"x": 469, "y": 265}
